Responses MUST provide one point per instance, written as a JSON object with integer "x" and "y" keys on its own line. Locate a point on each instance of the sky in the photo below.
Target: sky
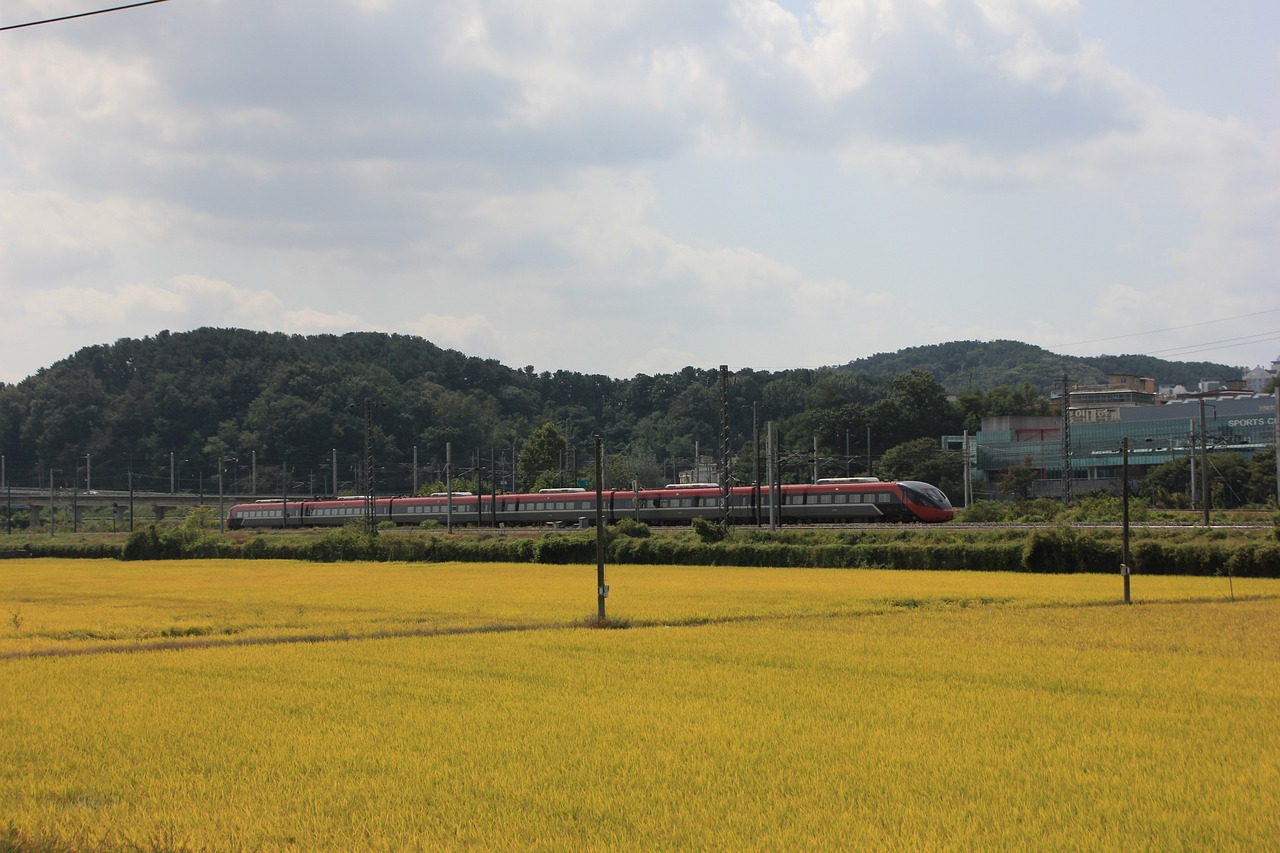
{"x": 635, "y": 186}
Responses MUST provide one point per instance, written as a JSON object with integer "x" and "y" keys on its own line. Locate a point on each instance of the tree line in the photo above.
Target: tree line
{"x": 275, "y": 409}
{"x": 272, "y": 413}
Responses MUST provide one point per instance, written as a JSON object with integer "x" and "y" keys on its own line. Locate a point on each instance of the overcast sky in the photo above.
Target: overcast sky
{"x": 633, "y": 186}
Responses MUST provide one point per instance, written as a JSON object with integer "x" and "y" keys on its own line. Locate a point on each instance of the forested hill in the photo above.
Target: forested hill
{"x": 983, "y": 365}
{"x": 171, "y": 405}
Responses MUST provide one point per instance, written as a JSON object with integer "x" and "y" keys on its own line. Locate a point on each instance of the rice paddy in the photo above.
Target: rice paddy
{"x": 286, "y": 706}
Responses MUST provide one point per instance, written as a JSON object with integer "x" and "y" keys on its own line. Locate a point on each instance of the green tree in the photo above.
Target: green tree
{"x": 1168, "y": 484}
{"x": 542, "y": 455}
{"x": 916, "y": 407}
{"x": 1018, "y": 478}
{"x": 924, "y": 459}
{"x": 1262, "y": 477}
{"x": 1229, "y": 475}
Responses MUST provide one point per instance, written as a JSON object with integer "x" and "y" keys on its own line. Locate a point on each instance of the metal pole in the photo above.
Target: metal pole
{"x": 173, "y": 486}
{"x": 493, "y": 485}
{"x": 88, "y": 473}
{"x": 602, "y": 591}
{"x": 221, "y": 526}
{"x": 253, "y": 478}
{"x": 769, "y": 464}
{"x": 51, "y": 506}
{"x": 1124, "y": 492}
{"x": 1204, "y": 464}
{"x": 415, "y": 468}
{"x": 869, "y": 474}
{"x": 1067, "y": 479}
{"x": 1191, "y": 429}
{"x": 370, "y": 504}
{"x": 724, "y": 444}
{"x": 448, "y": 486}
{"x": 755, "y": 463}
{"x": 131, "y": 494}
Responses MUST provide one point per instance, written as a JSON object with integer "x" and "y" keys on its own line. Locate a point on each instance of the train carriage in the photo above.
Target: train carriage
{"x": 831, "y": 501}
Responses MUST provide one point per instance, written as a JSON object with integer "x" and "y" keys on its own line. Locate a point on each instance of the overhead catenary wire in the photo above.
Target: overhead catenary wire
{"x": 82, "y": 15}
{"x": 1171, "y": 328}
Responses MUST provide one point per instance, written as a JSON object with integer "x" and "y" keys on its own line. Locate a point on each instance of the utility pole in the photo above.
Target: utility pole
{"x": 1124, "y": 492}
{"x": 222, "y": 464}
{"x": 869, "y": 474}
{"x": 755, "y": 463}
{"x": 1191, "y": 430}
{"x": 602, "y": 590}
{"x": 370, "y": 505}
{"x": 769, "y": 450}
{"x": 1204, "y": 463}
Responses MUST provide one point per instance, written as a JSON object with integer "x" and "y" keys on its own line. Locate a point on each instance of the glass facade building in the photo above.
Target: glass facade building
{"x": 1156, "y": 434}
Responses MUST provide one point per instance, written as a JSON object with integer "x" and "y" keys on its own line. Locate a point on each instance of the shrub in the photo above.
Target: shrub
{"x": 639, "y": 530}
{"x": 985, "y": 511}
{"x": 560, "y": 548}
{"x": 1039, "y": 509}
{"x": 708, "y": 530}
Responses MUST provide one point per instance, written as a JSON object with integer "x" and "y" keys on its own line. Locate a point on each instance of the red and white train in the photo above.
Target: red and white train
{"x": 831, "y": 501}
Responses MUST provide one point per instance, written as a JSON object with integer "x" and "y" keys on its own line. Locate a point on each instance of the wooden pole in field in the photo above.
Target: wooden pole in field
{"x": 602, "y": 591}
{"x": 1124, "y": 500}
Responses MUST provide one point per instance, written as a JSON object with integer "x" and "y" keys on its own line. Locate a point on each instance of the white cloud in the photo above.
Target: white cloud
{"x": 470, "y": 334}
{"x": 185, "y": 302}
{"x": 479, "y": 173}
{"x": 309, "y": 321}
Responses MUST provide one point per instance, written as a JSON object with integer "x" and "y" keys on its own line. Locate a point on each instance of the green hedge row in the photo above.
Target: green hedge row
{"x": 1054, "y": 550}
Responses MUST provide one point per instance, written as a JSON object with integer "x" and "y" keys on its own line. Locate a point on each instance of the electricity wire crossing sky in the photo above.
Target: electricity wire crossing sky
{"x": 635, "y": 186}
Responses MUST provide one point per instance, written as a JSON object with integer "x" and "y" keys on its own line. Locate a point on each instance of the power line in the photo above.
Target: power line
{"x": 1170, "y": 329}
{"x": 81, "y": 15}
{"x": 1225, "y": 343}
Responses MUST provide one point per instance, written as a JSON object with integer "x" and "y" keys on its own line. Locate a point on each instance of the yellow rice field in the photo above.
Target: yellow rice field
{"x": 266, "y": 706}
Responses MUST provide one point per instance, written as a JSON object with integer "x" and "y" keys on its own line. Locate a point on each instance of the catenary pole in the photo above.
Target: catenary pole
{"x": 1066, "y": 440}
{"x": 1204, "y": 463}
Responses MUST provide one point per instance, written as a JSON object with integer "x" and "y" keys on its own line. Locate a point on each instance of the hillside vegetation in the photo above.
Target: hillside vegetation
{"x": 983, "y": 365}
{"x": 277, "y": 407}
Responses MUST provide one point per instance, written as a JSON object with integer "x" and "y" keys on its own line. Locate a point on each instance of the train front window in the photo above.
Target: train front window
{"x": 925, "y": 495}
